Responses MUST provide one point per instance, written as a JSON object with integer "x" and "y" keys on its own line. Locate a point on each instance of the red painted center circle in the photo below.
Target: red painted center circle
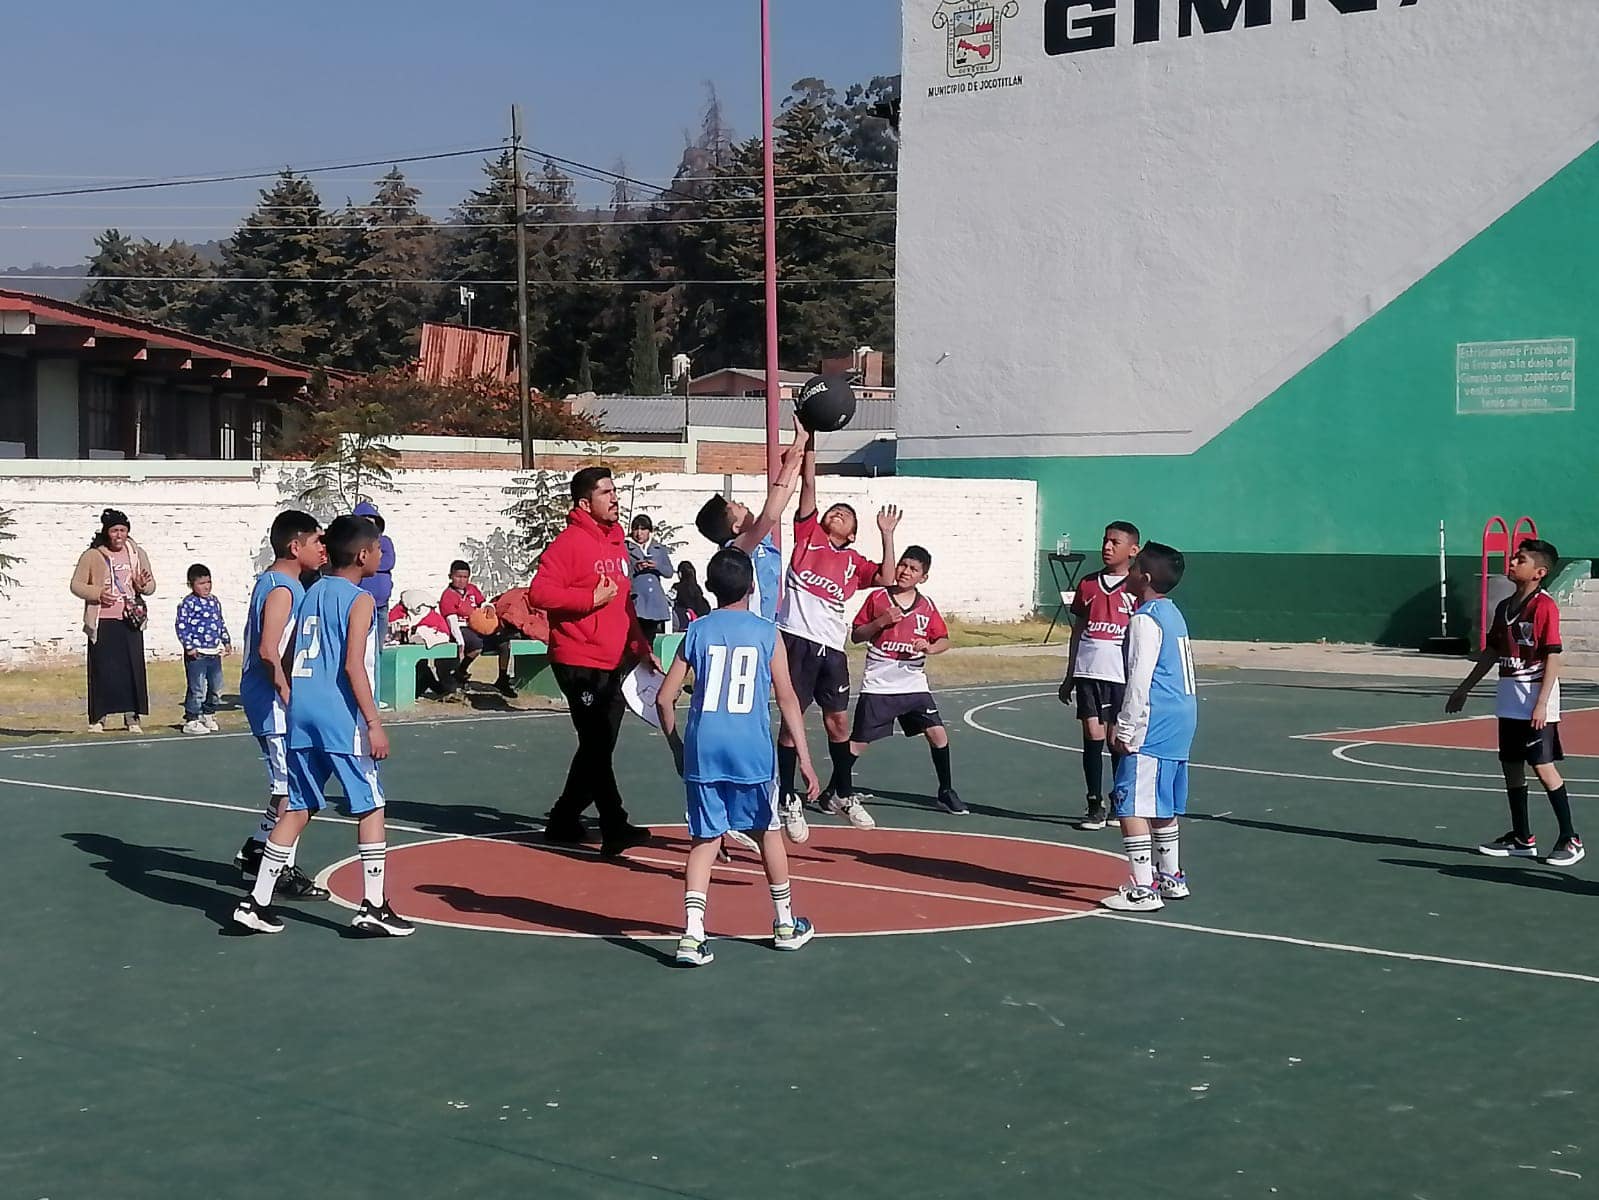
{"x": 846, "y": 881}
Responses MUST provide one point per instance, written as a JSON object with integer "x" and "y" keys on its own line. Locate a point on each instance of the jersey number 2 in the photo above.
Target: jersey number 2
{"x": 740, "y": 686}
{"x": 302, "y": 663}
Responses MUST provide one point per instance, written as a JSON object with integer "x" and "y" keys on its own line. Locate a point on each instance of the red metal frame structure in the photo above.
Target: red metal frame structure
{"x": 1501, "y": 538}
{"x": 769, "y": 185}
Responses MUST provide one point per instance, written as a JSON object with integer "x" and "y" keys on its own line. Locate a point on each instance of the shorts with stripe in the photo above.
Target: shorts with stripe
{"x": 1153, "y": 788}
{"x": 310, "y": 770}
{"x": 715, "y": 808}
{"x": 275, "y": 756}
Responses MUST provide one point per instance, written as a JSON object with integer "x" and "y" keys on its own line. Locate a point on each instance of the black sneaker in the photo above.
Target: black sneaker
{"x": 1095, "y": 817}
{"x": 505, "y": 687}
{"x": 1508, "y": 845}
{"x": 565, "y": 833}
{"x": 622, "y": 839}
{"x": 950, "y": 802}
{"x": 247, "y": 862}
{"x": 381, "y": 921}
{"x": 1568, "y": 852}
{"x": 295, "y": 884}
{"x": 252, "y": 916}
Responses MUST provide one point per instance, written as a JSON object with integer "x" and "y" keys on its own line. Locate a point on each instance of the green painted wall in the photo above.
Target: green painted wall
{"x": 1315, "y": 515}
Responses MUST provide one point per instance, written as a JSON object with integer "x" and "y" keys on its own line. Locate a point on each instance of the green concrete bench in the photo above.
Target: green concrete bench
{"x": 530, "y": 661}
{"x": 397, "y": 667}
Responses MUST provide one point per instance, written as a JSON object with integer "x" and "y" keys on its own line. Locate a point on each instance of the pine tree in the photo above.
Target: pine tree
{"x": 280, "y": 258}
{"x": 7, "y": 561}
{"x": 143, "y": 267}
{"x": 482, "y": 247}
{"x": 390, "y": 242}
{"x": 646, "y": 351}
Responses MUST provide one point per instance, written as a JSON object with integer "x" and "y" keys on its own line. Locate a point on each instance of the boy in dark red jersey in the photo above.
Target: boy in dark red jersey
{"x": 1096, "y": 670}
{"x": 824, "y": 573}
{"x": 900, "y": 627}
{"x": 1525, "y": 642}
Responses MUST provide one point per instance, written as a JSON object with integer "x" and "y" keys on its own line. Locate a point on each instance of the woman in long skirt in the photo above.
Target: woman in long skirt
{"x": 112, "y": 578}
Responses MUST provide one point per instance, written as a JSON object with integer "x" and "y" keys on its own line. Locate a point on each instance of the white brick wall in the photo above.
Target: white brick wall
{"x": 982, "y": 534}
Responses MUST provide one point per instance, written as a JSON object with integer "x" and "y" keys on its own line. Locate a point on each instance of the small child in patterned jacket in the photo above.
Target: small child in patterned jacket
{"x": 203, "y": 634}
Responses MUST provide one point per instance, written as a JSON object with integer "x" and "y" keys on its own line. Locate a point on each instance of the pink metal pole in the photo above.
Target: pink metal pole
{"x": 770, "y": 185}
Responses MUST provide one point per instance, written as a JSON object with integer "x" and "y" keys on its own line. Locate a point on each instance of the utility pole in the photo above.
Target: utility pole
{"x": 523, "y": 391}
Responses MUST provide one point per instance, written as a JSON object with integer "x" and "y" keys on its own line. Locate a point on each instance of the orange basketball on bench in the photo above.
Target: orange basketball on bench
{"x": 484, "y": 621}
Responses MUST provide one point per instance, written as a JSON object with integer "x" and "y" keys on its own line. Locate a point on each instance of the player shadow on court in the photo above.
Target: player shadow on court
{"x": 168, "y": 876}
{"x": 924, "y": 803}
{"x": 31, "y": 733}
{"x": 467, "y": 819}
{"x": 549, "y": 915}
{"x": 1533, "y": 875}
{"x": 1341, "y": 835}
{"x": 943, "y": 870}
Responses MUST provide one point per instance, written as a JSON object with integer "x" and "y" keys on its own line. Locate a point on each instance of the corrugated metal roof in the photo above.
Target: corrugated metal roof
{"x": 756, "y": 373}
{"x": 664, "y": 414}
{"x": 460, "y": 352}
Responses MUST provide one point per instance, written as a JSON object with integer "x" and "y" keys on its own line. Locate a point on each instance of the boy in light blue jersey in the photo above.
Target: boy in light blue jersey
{"x": 729, "y": 523}
{"x": 1154, "y": 734}
{"x": 334, "y": 729}
{"x": 728, "y": 758}
{"x": 296, "y": 540}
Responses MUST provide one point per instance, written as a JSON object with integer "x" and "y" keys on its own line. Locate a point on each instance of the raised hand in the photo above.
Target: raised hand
{"x": 888, "y": 518}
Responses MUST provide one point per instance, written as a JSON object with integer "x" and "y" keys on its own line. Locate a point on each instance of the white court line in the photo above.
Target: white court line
{"x": 239, "y": 808}
{"x": 1347, "y": 735}
{"x": 1345, "y": 754}
{"x": 173, "y": 739}
{"x": 1199, "y": 766}
{"x": 1506, "y": 968}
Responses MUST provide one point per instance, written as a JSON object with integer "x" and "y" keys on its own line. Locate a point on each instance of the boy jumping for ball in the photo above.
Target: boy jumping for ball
{"x": 334, "y": 729}
{"x": 1525, "y": 641}
{"x": 824, "y": 573}
{"x": 726, "y": 760}
{"x": 1095, "y": 667}
{"x": 1153, "y": 734}
{"x": 900, "y": 627}
{"x": 296, "y": 540}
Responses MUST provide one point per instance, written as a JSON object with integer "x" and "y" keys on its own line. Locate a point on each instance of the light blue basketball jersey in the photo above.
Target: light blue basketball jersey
{"x": 1172, "y": 708}
{"x": 262, "y": 708}
{"x": 729, "y": 737}
{"x": 322, "y": 711}
{"x": 768, "y": 562}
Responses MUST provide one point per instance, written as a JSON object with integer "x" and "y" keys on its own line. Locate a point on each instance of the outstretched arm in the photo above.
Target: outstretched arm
{"x": 807, "y": 504}
{"x": 888, "y": 518}
{"x": 779, "y": 494}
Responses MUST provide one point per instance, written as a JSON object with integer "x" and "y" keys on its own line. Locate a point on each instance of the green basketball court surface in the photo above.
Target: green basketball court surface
{"x": 1351, "y": 1003}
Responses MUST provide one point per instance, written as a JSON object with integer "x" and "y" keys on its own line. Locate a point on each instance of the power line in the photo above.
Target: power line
{"x": 191, "y": 180}
{"x": 542, "y": 283}
{"x": 433, "y": 179}
{"x": 421, "y": 227}
{"x": 571, "y": 204}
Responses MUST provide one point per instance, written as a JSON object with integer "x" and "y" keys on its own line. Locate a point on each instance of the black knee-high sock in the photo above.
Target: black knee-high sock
{"x": 1562, "y": 806}
{"x": 941, "y": 765}
{"x": 1094, "y": 765}
{"x": 843, "y": 781}
{"x": 787, "y": 765}
{"x": 1519, "y": 824}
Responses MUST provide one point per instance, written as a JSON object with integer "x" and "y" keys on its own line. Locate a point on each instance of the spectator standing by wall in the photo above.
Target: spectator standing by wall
{"x": 651, "y": 565}
{"x": 112, "y": 578}
{"x": 203, "y": 634}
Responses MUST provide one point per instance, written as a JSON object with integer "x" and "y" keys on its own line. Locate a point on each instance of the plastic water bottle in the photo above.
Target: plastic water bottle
{"x": 1063, "y": 544}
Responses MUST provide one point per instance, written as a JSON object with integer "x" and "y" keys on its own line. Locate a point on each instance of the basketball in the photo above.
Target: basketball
{"x": 825, "y": 404}
{"x": 484, "y": 621}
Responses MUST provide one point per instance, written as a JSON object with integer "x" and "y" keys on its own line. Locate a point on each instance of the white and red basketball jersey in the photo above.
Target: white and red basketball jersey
{"x": 820, "y": 578}
{"x": 1524, "y": 639}
{"x": 893, "y": 664}
{"x": 1102, "y": 608}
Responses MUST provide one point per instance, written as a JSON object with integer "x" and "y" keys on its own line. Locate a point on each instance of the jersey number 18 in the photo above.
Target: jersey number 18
{"x": 739, "y": 685}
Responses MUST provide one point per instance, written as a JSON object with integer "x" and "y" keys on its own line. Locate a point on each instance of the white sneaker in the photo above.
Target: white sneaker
{"x": 852, "y": 808}
{"x": 133, "y": 725}
{"x": 210, "y": 723}
{"x": 1132, "y": 898}
{"x": 792, "y": 813}
{"x": 96, "y": 726}
{"x": 195, "y": 726}
{"x": 694, "y": 952}
{"x": 1172, "y": 887}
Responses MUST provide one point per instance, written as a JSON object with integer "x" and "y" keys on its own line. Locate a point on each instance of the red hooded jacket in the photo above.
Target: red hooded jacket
{"x": 569, "y": 571}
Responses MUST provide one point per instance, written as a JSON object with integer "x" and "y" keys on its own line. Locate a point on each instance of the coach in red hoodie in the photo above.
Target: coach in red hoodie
{"x": 595, "y": 640}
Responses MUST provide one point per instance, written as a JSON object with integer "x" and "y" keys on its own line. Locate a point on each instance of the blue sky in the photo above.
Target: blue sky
{"x": 167, "y": 87}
